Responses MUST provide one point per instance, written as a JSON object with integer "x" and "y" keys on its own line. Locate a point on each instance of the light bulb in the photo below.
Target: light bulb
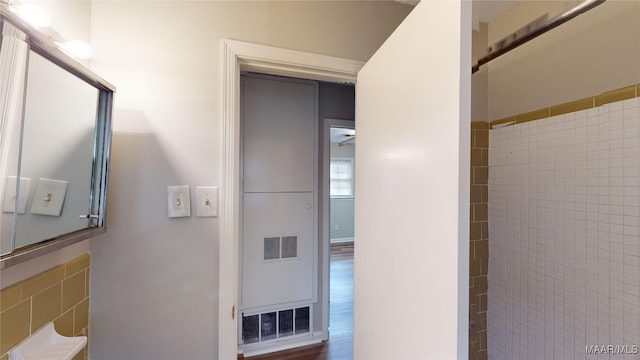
{"x": 33, "y": 14}
{"x": 77, "y": 48}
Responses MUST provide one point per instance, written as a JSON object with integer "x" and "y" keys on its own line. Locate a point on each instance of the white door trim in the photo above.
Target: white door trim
{"x": 267, "y": 60}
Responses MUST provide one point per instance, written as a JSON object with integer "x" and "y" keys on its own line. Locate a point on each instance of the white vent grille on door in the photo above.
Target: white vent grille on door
{"x": 285, "y": 247}
{"x": 271, "y": 248}
{"x": 289, "y": 247}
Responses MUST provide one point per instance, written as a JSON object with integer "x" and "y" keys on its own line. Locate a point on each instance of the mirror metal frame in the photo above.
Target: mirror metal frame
{"x": 44, "y": 46}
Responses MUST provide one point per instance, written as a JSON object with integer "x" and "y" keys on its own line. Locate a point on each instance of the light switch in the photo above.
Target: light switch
{"x": 179, "y": 201}
{"x": 207, "y": 198}
{"x": 9, "y": 199}
{"x": 49, "y": 197}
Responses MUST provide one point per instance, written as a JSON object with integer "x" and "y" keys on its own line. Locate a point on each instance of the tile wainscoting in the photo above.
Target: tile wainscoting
{"x": 479, "y": 241}
{"x": 564, "y": 217}
{"x": 60, "y": 294}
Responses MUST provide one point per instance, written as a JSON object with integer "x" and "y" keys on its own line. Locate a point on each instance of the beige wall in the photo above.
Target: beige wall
{"x": 596, "y": 52}
{"x": 480, "y": 80}
{"x": 155, "y": 280}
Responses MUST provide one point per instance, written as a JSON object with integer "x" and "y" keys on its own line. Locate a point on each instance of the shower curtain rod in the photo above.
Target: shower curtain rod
{"x": 536, "y": 31}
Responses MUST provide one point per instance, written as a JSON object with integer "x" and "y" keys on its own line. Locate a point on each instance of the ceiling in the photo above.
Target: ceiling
{"x": 487, "y": 10}
{"x": 338, "y": 135}
{"x": 483, "y": 11}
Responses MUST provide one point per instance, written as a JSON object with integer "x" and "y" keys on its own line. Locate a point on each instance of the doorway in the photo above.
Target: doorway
{"x": 268, "y": 60}
{"x": 341, "y": 238}
{"x": 278, "y": 242}
{"x": 272, "y": 130}
{"x": 341, "y": 184}
{"x": 435, "y": 217}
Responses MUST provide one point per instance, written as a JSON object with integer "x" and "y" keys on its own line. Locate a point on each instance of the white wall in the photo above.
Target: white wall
{"x": 595, "y": 52}
{"x": 154, "y": 279}
{"x": 412, "y": 266}
{"x": 563, "y": 219}
{"x": 71, "y": 19}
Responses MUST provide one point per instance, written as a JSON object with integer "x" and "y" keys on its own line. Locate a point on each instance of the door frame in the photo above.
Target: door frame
{"x": 242, "y": 56}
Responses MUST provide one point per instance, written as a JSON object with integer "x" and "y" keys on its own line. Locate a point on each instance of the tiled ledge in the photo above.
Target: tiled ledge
{"x": 627, "y": 92}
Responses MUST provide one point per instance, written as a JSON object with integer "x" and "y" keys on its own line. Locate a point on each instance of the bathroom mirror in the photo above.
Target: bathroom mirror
{"x": 55, "y": 128}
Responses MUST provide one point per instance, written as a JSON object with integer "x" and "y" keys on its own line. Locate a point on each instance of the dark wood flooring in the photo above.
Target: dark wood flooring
{"x": 340, "y": 344}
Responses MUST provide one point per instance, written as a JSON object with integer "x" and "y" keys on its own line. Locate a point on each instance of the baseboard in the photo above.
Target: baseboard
{"x": 340, "y": 240}
{"x": 265, "y": 348}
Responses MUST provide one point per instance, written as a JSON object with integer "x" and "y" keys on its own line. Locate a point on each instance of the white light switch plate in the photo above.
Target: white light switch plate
{"x": 207, "y": 201}
{"x": 9, "y": 199}
{"x": 49, "y": 197}
{"x": 179, "y": 201}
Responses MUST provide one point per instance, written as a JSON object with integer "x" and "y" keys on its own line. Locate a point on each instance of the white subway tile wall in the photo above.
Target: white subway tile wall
{"x": 564, "y": 215}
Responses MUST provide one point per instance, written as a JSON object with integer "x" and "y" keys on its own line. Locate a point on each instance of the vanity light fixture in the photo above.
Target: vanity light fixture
{"x": 36, "y": 16}
{"x": 78, "y": 49}
{"x": 32, "y": 14}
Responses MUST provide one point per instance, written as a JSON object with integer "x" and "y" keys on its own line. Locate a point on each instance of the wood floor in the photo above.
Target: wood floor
{"x": 340, "y": 344}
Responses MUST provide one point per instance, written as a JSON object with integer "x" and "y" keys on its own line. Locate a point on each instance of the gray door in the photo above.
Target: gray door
{"x": 279, "y": 198}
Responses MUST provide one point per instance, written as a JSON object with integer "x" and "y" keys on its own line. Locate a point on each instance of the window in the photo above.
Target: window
{"x": 341, "y": 177}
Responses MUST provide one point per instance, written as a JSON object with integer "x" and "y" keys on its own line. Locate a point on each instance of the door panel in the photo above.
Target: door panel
{"x": 277, "y": 249}
{"x": 412, "y": 212}
{"x": 279, "y": 121}
{"x": 278, "y": 132}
